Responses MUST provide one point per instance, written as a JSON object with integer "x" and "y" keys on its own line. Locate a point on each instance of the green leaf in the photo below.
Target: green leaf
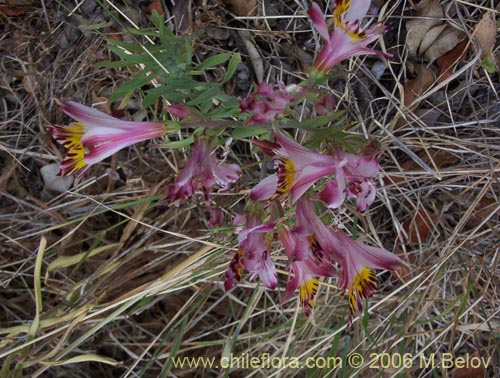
{"x": 178, "y": 144}
{"x": 316, "y": 122}
{"x": 134, "y": 84}
{"x": 488, "y": 65}
{"x": 213, "y": 61}
{"x": 248, "y": 131}
{"x": 231, "y": 68}
{"x": 207, "y": 95}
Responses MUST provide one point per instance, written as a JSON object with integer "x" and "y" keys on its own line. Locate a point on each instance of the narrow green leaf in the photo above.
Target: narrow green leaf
{"x": 213, "y": 61}
{"x": 208, "y": 95}
{"x": 316, "y": 122}
{"x": 248, "y": 131}
{"x": 132, "y": 85}
{"x": 175, "y": 348}
{"x": 178, "y": 144}
{"x": 232, "y": 66}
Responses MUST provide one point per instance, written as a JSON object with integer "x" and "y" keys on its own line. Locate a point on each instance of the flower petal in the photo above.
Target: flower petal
{"x": 318, "y": 19}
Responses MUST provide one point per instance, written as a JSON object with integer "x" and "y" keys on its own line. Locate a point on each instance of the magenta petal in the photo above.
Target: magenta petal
{"x": 226, "y": 174}
{"x": 333, "y": 194}
{"x": 318, "y": 19}
{"x": 264, "y": 189}
{"x": 307, "y": 177}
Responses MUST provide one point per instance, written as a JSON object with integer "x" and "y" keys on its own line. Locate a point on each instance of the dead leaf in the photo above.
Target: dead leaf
{"x": 183, "y": 17}
{"x": 429, "y": 35}
{"x": 483, "y": 209}
{"x": 155, "y": 6}
{"x": 13, "y": 11}
{"x": 486, "y": 33}
{"x": 113, "y": 33}
{"x": 468, "y": 372}
{"x": 439, "y": 158}
{"x": 419, "y": 227}
{"x": 415, "y": 87}
{"x": 429, "y": 13}
{"x": 243, "y": 7}
{"x": 445, "y": 42}
{"x": 448, "y": 61}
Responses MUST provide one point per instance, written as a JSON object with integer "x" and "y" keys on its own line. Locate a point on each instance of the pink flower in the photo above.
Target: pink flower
{"x": 307, "y": 260}
{"x": 298, "y": 169}
{"x": 354, "y": 177}
{"x": 202, "y": 172}
{"x": 267, "y": 102}
{"x": 95, "y": 136}
{"x": 348, "y": 38}
{"x": 254, "y": 254}
{"x": 325, "y": 105}
{"x": 182, "y": 111}
{"x": 356, "y": 259}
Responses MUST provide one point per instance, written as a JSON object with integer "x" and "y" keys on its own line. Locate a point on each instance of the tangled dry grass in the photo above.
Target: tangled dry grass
{"x": 125, "y": 283}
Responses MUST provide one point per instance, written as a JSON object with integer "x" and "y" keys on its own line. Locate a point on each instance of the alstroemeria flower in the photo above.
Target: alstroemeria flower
{"x": 298, "y": 169}
{"x": 95, "y": 136}
{"x": 254, "y": 254}
{"x": 267, "y": 102}
{"x": 348, "y": 37}
{"x": 354, "y": 177}
{"x": 356, "y": 259}
{"x": 307, "y": 261}
{"x": 202, "y": 171}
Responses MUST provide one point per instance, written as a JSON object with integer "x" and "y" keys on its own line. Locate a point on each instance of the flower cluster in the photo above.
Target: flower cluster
{"x": 313, "y": 249}
{"x": 285, "y": 204}
{"x": 348, "y": 37}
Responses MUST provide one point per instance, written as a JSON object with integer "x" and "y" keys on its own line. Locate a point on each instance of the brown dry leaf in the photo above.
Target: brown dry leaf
{"x": 13, "y": 11}
{"x": 446, "y": 63}
{"x": 420, "y": 225}
{"x": 182, "y": 14}
{"x": 429, "y": 35}
{"x": 446, "y": 41}
{"x": 243, "y": 7}
{"x": 415, "y": 87}
{"x": 483, "y": 209}
{"x": 155, "y": 6}
{"x": 486, "y": 33}
{"x": 468, "y": 372}
{"x": 430, "y": 13}
{"x": 439, "y": 158}
{"x": 113, "y": 33}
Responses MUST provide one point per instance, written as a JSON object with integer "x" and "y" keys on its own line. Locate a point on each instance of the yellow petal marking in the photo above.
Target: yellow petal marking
{"x": 363, "y": 286}
{"x": 71, "y": 138}
{"x": 286, "y": 176}
{"x": 307, "y": 292}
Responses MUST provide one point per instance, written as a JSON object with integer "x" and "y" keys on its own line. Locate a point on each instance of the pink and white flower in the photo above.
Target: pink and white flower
{"x": 202, "y": 171}
{"x": 307, "y": 260}
{"x": 358, "y": 262}
{"x": 355, "y": 259}
{"x": 348, "y": 37}
{"x": 354, "y": 177}
{"x": 298, "y": 169}
{"x": 266, "y": 103}
{"x": 254, "y": 254}
{"x": 95, "y": 136}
